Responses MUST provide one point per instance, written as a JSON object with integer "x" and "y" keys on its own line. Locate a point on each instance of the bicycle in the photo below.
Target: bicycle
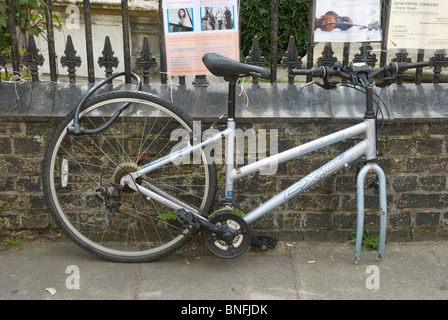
{"x": 126, "y": 179}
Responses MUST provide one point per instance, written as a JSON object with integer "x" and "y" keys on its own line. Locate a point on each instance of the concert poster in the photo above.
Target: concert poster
{"x": 347, "y": 21}
{"x": 421, "y": 24}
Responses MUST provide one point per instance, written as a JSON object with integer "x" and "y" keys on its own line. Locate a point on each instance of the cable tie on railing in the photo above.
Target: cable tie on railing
{"x": 379, "y": 50}
{"x": 16, "y": 79}
{"x": 243, "y": 91}
{"x": 170, "y": 84}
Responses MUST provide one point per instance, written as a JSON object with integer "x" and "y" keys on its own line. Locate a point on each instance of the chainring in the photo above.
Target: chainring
{"x": 231, "y": 248}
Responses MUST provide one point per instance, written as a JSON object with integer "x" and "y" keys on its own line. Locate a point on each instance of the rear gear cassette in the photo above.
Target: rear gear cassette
{"x": 123, "y": 170}
{"x": 235, "y": 240}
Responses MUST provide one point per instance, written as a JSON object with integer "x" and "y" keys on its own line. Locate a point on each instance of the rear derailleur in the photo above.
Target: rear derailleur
{"x": 110, "y": 197}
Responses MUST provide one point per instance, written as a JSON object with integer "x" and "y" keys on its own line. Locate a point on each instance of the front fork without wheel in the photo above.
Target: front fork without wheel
{"x": 360, "y": 181}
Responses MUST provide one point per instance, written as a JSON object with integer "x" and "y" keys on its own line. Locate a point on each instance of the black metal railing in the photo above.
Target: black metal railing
{"x": 146, "y": 62}
{"x": 32, "y": 59}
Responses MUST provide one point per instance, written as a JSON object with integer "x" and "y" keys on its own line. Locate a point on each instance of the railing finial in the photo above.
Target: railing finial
{"x": 291, "y": 60}
{"x": 70, "y": 60}
{"x": 146, "y": 60}
{"x": 108, "y": 60}
{"x": 327, "y": 58}
{"x": 255, "y": 56}
{"x": 438, "y": 61}
{"x": 32, "y": 58}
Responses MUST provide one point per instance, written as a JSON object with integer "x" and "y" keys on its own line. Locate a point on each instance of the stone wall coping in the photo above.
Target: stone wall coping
{"x": 137, "y": 5}
{"x": 40, "y": 101}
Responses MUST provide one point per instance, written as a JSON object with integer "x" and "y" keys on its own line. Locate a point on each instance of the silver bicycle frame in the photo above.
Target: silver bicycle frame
{"x": 366, "y": 147}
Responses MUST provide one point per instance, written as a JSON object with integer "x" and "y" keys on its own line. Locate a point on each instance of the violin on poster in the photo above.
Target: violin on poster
{"x": 331, "y": 20}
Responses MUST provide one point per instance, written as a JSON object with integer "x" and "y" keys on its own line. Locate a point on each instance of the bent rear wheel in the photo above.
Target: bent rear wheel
{"x": 82, "y": 173}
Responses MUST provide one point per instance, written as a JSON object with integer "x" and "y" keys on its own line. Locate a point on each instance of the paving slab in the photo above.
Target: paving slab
{"x": 60, "y": 270}
{"x": 407, "y": 271}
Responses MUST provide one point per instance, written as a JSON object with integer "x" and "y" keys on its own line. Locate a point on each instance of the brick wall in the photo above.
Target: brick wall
{"x": 416, "y": 167}
{"x": 22, "y": 147}
{"x": 416, "y": 170}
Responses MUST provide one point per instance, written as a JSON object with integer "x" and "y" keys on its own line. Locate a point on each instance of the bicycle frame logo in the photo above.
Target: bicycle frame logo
{"x": 257, "y": 146}
{"x": 313, "y": 178}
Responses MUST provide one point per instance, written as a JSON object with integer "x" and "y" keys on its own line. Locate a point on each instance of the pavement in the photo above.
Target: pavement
{"x": 59, "y": 270}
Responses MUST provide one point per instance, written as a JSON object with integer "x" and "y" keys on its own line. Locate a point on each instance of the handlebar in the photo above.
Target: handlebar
{"x": 358, "y": 73}
{"x": 321, "y": 72}
{"x": 399, "y": 67}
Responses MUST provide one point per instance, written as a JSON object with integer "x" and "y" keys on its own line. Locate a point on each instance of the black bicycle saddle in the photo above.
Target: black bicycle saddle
{"x": 224, "y": 67}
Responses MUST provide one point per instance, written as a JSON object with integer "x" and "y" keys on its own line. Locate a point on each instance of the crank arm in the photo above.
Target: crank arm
{"x": 189, "y": 220}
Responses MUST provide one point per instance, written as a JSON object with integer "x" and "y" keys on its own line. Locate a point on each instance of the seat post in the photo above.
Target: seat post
{"x": 232, "y": 97}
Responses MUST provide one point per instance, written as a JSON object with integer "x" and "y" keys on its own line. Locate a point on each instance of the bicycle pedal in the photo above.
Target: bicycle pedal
{"x": 187, "y": 219}
{"x": 263, "y": 242}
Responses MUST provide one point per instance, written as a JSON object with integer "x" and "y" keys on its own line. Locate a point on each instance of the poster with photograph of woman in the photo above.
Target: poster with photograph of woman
{"x": 217, "y": 18}
{"x": 196, "y": 27}
{"x": 180, "y": 20}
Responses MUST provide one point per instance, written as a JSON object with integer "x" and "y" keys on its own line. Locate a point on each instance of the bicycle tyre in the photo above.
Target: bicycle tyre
{"x": 77, "y": 166}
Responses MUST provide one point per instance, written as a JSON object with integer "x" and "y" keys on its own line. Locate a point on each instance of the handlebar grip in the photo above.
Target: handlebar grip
{"x": 315, "y": 72}
{"x": 403, "y": 66}
{"x": 400, "y": 67}
{"x": 321, "y": 72}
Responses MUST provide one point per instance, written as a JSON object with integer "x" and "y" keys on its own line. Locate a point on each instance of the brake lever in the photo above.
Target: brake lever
{"x": 308, "y": 84}
{"x": 326, "y": 85}
{"x": 385, "y": 82}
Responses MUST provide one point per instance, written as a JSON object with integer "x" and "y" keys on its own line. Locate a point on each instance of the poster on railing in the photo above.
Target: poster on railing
{"x": 421, "y": 24}
{"x": 196, "y": 27}
{"x": 347, "y": 21}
